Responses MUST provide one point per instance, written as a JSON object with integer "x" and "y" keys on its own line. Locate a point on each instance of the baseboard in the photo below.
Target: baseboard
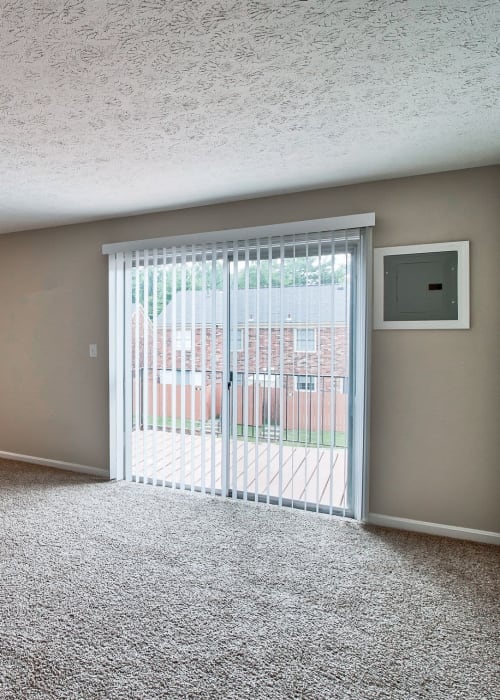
{"x": 56, "y": 464}
{"x": 459, "y": 533}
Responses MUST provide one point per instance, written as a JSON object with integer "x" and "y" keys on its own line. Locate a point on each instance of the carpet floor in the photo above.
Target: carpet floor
{"x": 116, "y": 590}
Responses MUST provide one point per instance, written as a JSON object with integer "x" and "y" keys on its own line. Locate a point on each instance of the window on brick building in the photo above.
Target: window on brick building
{"x": 237, "y": 340}
{"x": 305, "y": 383}
{"x": 304, "y": 340}
{"x": 342, "y": 385}
{"x": 167, "y": 376}
{"x": 183, "y": 340}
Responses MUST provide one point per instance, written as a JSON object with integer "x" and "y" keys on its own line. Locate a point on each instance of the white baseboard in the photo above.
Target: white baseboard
{"x": 459, "y": 533}
{"x": 56, "y": 464}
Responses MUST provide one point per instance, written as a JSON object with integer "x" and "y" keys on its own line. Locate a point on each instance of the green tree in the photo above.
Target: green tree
{"x": 297, "y": 272}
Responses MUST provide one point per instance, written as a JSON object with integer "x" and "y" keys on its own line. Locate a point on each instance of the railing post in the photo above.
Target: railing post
{"x": 141, "y": 393}
{"x": 286, "y": 405}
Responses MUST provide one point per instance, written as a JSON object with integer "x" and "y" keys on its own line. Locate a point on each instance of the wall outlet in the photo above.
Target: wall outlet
{"x": 92, "y": 350}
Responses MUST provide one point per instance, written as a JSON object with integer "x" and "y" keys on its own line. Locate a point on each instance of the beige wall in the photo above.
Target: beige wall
{"x": 435, "y": 452}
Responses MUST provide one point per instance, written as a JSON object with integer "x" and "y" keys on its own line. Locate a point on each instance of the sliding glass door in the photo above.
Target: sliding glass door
{"x": 238, "y": 366}
{"x": 290, "y": 307}
{"x": 179, "y": 370}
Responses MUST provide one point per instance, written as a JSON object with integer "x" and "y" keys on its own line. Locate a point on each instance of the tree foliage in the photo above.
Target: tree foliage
{"x": 295, "y": 272}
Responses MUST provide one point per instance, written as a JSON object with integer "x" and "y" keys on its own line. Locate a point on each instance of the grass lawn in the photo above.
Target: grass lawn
{"x": 290, "y": 437}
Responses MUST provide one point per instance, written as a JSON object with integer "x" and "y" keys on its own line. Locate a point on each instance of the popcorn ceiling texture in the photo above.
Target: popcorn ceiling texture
{"x": 114, "y": 106}
{"x": 117, "y": 591}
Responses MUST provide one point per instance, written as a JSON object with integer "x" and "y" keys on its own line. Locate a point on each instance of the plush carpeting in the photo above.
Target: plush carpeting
{"x": 114, "y": 590}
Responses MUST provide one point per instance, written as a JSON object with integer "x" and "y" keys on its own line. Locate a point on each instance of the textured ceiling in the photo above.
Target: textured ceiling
{"x": 110, "y": 107}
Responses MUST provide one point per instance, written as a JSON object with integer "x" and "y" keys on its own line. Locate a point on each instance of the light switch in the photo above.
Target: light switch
{"x": 92, "y": 350}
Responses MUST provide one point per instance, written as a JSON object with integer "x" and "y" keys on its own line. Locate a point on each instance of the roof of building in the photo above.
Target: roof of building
{"x": 321, "y": 304}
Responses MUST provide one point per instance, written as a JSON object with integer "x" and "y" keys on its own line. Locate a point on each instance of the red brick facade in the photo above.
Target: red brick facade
{"x": 294, "y": 363}
{"x": 308, "y": 404}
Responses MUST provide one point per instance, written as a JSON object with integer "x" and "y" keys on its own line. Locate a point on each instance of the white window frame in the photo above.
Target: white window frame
{"x": 296, "y": 343}
{"x": 183, "y": 343}
{"x": 119, "y": 283}
{"x": 272, "y": 380}
{"x": 166, "y": 377}
{"x": 239, "y": 340}
{"x": 341, "y": 385}
{"x": 305, "y": 379}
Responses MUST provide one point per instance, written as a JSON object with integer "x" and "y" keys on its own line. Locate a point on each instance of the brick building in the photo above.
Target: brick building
{"x": 301, "y": 324}
{"x": 309, "y": 319}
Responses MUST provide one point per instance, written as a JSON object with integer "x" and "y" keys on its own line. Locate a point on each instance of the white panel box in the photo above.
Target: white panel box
{"x": 422, "y": 286}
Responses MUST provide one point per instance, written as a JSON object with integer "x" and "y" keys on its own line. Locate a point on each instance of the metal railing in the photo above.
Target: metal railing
{"x": 307, "y": 417}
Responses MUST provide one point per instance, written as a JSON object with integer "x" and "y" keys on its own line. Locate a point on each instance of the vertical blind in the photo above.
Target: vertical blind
{"x": 237, "y": 363}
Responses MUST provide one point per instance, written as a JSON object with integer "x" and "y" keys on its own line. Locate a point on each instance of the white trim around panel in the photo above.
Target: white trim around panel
{"x": 463, "y": 301}
{"x": 334, "y": 223}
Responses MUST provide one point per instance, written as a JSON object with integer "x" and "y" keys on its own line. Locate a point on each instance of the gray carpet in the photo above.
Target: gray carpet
{"x": 124, "y": 591}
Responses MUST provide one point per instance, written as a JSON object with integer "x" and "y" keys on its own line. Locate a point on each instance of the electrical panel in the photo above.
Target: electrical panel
{"x": 424, "y": 286}
{"x": 421, "y": 286}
